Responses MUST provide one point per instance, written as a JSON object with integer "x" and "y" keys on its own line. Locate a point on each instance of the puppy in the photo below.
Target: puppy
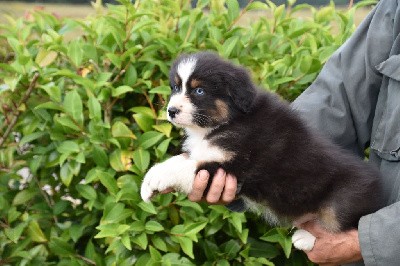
{"x": 285, "y": 170}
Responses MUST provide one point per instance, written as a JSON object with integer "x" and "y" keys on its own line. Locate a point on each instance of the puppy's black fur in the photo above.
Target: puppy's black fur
{"x": 280, "y": 162}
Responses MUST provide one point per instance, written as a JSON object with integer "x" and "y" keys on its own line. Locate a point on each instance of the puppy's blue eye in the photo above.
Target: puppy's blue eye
{"x": 175, "y": 88}
{"x": 199, "y": 91}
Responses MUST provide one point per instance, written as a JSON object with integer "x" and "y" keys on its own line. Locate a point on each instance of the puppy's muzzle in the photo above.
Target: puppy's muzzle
{"x": 173, "y": 111}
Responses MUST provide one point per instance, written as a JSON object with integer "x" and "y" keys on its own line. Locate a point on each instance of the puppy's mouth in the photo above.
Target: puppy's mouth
{"x": 179, "y": 118}
{"x": 189, "y": 119}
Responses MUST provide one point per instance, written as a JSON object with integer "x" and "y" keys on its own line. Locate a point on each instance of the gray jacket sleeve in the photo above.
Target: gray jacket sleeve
{"x": 341, "y": 104}
{"x": 341, "y": 101}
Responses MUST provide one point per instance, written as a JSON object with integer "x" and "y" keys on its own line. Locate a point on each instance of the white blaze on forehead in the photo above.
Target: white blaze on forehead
{"x": 185, "y": 70}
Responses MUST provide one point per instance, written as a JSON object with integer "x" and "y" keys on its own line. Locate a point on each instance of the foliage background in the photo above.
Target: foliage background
{"x": 242, "y": 3}
{"x": 82, "y": 119}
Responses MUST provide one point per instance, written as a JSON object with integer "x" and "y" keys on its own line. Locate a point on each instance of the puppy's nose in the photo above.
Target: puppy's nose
{"x": 173, "y": 111}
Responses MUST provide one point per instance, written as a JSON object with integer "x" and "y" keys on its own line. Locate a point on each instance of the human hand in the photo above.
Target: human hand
{"x": 222, "y": 190}
{"x": 332, "y": 248}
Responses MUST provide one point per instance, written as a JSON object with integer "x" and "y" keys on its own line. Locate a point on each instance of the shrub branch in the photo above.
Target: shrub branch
{"x": 17, "y": 112}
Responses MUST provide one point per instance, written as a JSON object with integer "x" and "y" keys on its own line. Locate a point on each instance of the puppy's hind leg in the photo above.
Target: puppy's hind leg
{"x": 303, "y": 240}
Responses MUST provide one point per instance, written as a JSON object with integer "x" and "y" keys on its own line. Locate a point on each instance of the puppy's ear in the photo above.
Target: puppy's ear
{"x": 241, "y": 89}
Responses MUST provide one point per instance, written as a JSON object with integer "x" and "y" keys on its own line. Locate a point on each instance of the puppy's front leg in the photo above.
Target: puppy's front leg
{"x": 178, "y": 173}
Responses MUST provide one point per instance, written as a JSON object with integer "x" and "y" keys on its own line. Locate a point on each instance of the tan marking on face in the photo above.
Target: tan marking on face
{"x": 222, "y": 109}
{"x": 194, "y": 83}
{"x": 177, "y": 80}
{"x": 328, "y": 218}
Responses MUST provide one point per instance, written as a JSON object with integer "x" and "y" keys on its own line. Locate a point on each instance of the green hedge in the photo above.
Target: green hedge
{"x": 83, "y": 118}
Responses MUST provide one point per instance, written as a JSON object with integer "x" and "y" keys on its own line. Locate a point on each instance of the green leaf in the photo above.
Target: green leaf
{"x": 100, "y": 156}
{"x": 121, "y": 90}
{"x": 166, "y": 90}
{"x": 143, "y": 110}
{"x": 126, "y": 241}
{"x": 53, "y": 91}
{"x": 120, "y": 130}
{"x": 68, "y": 147}
{"x": 50, "y": 106}
{"x": 15, "y": 233}
{"x": 278, "y": 235}
{"x": 75, "y": 53}
{"x": 141, "y": 240}
{"x": 231, "y": 248}
{"x": 45, "y": 58}
{"x": 155, "y": 255}
{"x": 282, "y": 81}
{"x": 229, "y": 45}
{"x": 94, "y": 108}
{"x": 233, "y": 9}
{"x": 130, "y": 76}
{"x": 154, "y": 226}
{"x": 76, "y": 231}
{"x": 114, "y": 212}
{"x": 257, "y": 6}
{"x": 66, "y": 174}
{"x": 262, "y": 249}
{"x": 86, "y": 191}
{"x": 73, "y": 106}
{"x": 149, "y": 139}
{"x": 137, "y": 226}
{"x": 111, "y": 230}
{"x": 109, "y": 182}
{"x": 121, "y": 160}
{"x": 186, "y": 245}
{"x": 23, "y": 196}
{"x": 159, "y": 243}
{"x": 14, "y": 44}
{"x": 141, "y": 158}
{"x": 305, "y": 64}
{"x": 144, "y": 122}
{"x": 162, "y": 148}
{"x": 66, "y": 122}
{"x": 31, "y": 137}
{"x": 194, "y": 228}
{"x": 236, "y": 220}
{"x": 35, "y": 232}
{"x": 12, "y": 214}
{"x": 90, "y": 251}
{"x": 164, "y": 128}
{"x": 191, "y": 204}
{"x": 147, "y": 207}
{"x": 279, "y": 11}
{"x": 60, "y": 247}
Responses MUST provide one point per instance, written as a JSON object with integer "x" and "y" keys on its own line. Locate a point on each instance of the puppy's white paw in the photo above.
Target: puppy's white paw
{"x": 177, "y": 172}
{"x": 151, "y": 182}
{"x": 303, "y": 240}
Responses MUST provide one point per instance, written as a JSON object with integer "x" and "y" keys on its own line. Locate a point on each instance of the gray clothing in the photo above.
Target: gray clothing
{"x": 356, "y": 102}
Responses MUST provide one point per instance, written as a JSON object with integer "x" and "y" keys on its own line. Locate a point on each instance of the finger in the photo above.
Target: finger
{"x": 230, "y": 188}
{"x": 199, "y": 185}
{"x": 217, "y": 187}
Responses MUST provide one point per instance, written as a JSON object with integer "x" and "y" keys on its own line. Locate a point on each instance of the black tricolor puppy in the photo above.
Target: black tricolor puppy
{"x": 285, "y": 170}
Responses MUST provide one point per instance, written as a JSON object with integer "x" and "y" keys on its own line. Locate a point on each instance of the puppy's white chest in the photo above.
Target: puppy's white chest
{"x": 201, "y": 150}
